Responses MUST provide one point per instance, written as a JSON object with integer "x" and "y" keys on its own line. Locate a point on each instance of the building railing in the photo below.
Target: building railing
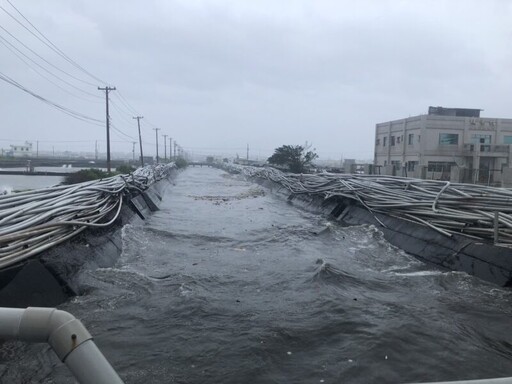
{"x": 497, "y": 149}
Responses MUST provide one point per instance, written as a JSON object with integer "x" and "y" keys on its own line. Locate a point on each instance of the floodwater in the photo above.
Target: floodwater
{"x": 10, "y": 183}
{"x": 229, "y": 283}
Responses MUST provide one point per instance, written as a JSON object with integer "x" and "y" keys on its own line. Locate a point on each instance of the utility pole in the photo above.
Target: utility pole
{"x": 165, "y": 146}
{"x": 247, "y": 151}
{"x": 175, "y": 145}
{"x": 170, "y": 148}
{"x": 133, "y": 150}
{"x": 140, "y": 139}
{"x": 37, "y": 148}
{"x": 96, "y": 150}
{"x": 107, "y": 89}
{"x": 156, "y": 136}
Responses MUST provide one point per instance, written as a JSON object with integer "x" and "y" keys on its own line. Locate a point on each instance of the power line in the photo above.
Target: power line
{"x": 121, "y": 132}
{"x": 50, "y": 141}
{"x": 151, "y": 124}
{"x": 122, "y": 114}
{"x": 118, "y": 133}
{"x": 68, "y": 111}
{"x": 129, "y": 107}
{"x": 10, "y": 47}
{"x": 53, "y": 46}
{"x": 127, "y": 104}
{"x": 42, "y": 58}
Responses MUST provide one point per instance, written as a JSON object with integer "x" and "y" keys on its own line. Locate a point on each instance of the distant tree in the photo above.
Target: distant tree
{"x": 296, "y": 157}
{"x": 181, "y": 162}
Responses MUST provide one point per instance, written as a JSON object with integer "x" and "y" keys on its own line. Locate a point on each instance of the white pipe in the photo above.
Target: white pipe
{"x": 90, "y": 366}
{"x": 10, "y": 323}
{"x": 66, "y": 335}
{"x": 502, "y": 380}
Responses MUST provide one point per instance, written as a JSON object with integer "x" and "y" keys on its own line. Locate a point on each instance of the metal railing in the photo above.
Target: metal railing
{"x": 497, "y": 149}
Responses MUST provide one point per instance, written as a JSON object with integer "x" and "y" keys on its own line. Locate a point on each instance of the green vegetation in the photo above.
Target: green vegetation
{"x": 181, "y": 162}
{"x": 295, "y": 157}
{"x": 85, "y": 175}
{"x": 125, "y": 169}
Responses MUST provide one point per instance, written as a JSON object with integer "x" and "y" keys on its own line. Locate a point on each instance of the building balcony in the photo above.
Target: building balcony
{"x": 487, "y": 150}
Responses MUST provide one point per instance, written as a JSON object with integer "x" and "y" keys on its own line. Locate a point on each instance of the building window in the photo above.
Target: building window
{"x": 377, "y": 142}
{"x": 440, "y": 166}
{"x": 481, "y": 139}
{"x": 384, "y": 140}
{"x": 411, "y": 139}
{"x": 448, "y": 139}
{"x": 397, "y": 164}
{"x": 411, "y": 166}
{"x": 392, "y": 142}
{"x": 419, "y": 138}
{"x": 507, "y": 139}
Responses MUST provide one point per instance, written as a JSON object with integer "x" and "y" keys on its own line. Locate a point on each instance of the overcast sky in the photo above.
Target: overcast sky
{"x": 218, "y": 75}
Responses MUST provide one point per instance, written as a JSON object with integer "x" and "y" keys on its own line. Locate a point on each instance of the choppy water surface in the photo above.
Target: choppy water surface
{"x": 229, "y": 283}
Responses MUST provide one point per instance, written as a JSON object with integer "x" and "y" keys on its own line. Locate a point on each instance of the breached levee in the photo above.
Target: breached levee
{"x": 460, "y": 227}
{"x": 49, "y": 236}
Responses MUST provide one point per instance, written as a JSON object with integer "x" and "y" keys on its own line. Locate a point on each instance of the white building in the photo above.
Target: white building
{"x": 446, "y": 144}
{"x": 24, "y": 150}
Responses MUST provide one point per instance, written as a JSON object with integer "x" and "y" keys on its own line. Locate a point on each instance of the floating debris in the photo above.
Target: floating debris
{"x": 251, "y": 193}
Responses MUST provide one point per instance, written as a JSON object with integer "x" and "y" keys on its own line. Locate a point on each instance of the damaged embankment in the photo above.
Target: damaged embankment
{"x": 454, "y": 226}
{"x": 49, "y": 236}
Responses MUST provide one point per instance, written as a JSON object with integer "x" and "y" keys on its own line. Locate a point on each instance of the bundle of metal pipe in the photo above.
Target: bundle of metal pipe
{"x": 33, "y": 221}
{"x": 476, "y": 211}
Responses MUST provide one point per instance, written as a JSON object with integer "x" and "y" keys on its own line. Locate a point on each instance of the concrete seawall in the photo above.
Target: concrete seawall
{"x": 54, "y": 275}
{"x": 459, "y": 253}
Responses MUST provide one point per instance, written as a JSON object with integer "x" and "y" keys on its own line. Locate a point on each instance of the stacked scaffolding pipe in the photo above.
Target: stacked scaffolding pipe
{"x": 33, "y": 221}
{"x": 446, "y": 207}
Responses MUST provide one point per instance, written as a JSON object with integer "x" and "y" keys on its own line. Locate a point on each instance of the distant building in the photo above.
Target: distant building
{"x": 446, "y": 144}
{"x": 24, "y": 150}
{"x": 349, "y": 166}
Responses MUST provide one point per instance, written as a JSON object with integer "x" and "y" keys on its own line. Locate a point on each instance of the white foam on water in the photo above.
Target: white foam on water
{"x": 5, "y": 190}
{"x": 419, "y": 273}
